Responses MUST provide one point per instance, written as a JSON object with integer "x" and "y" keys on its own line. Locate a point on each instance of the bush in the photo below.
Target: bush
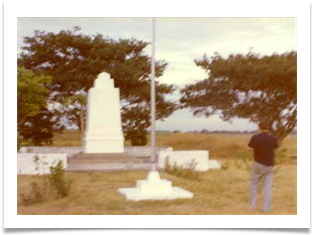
{"x": 58, "y": 182}
{"x": 188, "y": 172}
{"x": 47, "y": 185}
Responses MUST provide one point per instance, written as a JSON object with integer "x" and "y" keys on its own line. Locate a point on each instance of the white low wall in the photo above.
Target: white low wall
{"x": 185, "y": 158}
{"x": 27, "y": 166}
{"x": 137, "y": 151}
{"x": 48, "y": 149}
{"x": 214, "y": 164}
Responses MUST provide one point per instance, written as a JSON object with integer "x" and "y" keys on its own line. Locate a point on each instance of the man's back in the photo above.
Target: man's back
{"x": 264, "y": 145}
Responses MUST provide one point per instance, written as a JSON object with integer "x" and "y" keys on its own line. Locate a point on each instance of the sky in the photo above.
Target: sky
{"x": 179, "y": 41}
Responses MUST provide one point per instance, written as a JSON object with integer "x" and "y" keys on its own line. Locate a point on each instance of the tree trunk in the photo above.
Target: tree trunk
{"x": 82, "y": 126}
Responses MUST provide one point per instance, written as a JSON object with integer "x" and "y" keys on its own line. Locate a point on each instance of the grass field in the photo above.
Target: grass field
{"x": 216, "y": 192}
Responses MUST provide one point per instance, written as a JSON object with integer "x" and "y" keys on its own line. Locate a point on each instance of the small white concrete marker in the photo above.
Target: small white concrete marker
{"x": 154, "y": 188}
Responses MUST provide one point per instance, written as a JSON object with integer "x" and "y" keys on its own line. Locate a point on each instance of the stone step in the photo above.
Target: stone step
{"x": 108, "y": 167}
{"x": 107, "y": 159}
{"x": 101, "y": 155}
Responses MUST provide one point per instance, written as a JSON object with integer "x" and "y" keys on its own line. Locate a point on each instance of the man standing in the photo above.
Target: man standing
{"x": 264, "y": 145}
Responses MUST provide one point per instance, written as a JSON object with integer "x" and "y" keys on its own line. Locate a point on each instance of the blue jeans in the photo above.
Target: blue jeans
{"x": 261, "y": 172}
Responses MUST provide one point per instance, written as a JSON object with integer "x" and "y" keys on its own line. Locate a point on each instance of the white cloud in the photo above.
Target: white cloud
{"x": 184, "y": 120}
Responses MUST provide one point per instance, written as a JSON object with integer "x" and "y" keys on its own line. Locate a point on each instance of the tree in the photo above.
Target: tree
{"x": 34, "y": 121}
{"x": 247, "y": 86}
{"x": 204, "y": 131}
{"x": 74, "y": 60}
{"x": 76, "y": 109}
{"x": 72, "y": 111}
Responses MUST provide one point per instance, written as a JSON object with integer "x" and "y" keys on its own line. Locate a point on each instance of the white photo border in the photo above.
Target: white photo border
{"x": 14, "y": 10}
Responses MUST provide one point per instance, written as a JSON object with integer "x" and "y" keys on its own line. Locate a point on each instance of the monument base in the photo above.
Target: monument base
{"x": 103, "y": 145}
{"x": 154, "y": 188}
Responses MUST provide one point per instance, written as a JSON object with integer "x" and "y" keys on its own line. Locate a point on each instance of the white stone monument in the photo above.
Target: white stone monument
{"x": 103, "y": 130}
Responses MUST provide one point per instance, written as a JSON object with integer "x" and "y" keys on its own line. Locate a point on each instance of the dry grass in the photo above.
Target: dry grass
{"x": 219, "y": 145}
{"x": 217, "y": 192}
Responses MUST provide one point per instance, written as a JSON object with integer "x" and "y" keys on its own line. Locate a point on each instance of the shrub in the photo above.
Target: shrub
{"x": 38, "y": 188}
{"x": 46, "y": 185}
{"x": 58, "y": 182}
{"x": 188, "y": 172}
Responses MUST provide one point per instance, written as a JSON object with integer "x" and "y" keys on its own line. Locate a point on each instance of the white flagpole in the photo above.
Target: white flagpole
{"x": 153, "y": 180}
{"x": 153, "y": 98}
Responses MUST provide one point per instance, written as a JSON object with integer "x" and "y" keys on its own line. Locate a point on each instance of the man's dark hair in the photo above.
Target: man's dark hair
{"x": 264, "y": 125}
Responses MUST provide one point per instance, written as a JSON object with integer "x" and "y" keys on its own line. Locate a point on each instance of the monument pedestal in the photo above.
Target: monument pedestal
{"x": 154, "y": 188}
{"x": 104, "y": 145}
{"x": 103, "y": 129}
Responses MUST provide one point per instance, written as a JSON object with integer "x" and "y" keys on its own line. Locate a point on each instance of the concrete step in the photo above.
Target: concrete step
{"x": 101, "y": 155}
{"x": 108, "y": 167}
{"x": 107, "y": 159}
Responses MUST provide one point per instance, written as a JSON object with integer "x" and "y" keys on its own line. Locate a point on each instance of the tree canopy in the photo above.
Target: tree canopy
{"x": 73, "y": 60}
{"x": 248, "y": 86}
{"x": 34, "y": 121}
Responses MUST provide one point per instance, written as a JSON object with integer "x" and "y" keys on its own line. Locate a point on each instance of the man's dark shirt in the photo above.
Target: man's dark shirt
{"x": 264, "y": 145}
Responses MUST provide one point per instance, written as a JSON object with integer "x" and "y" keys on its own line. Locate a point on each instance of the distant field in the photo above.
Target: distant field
{"x": 217, "y": 192}
{"x": 219, "y": 145}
